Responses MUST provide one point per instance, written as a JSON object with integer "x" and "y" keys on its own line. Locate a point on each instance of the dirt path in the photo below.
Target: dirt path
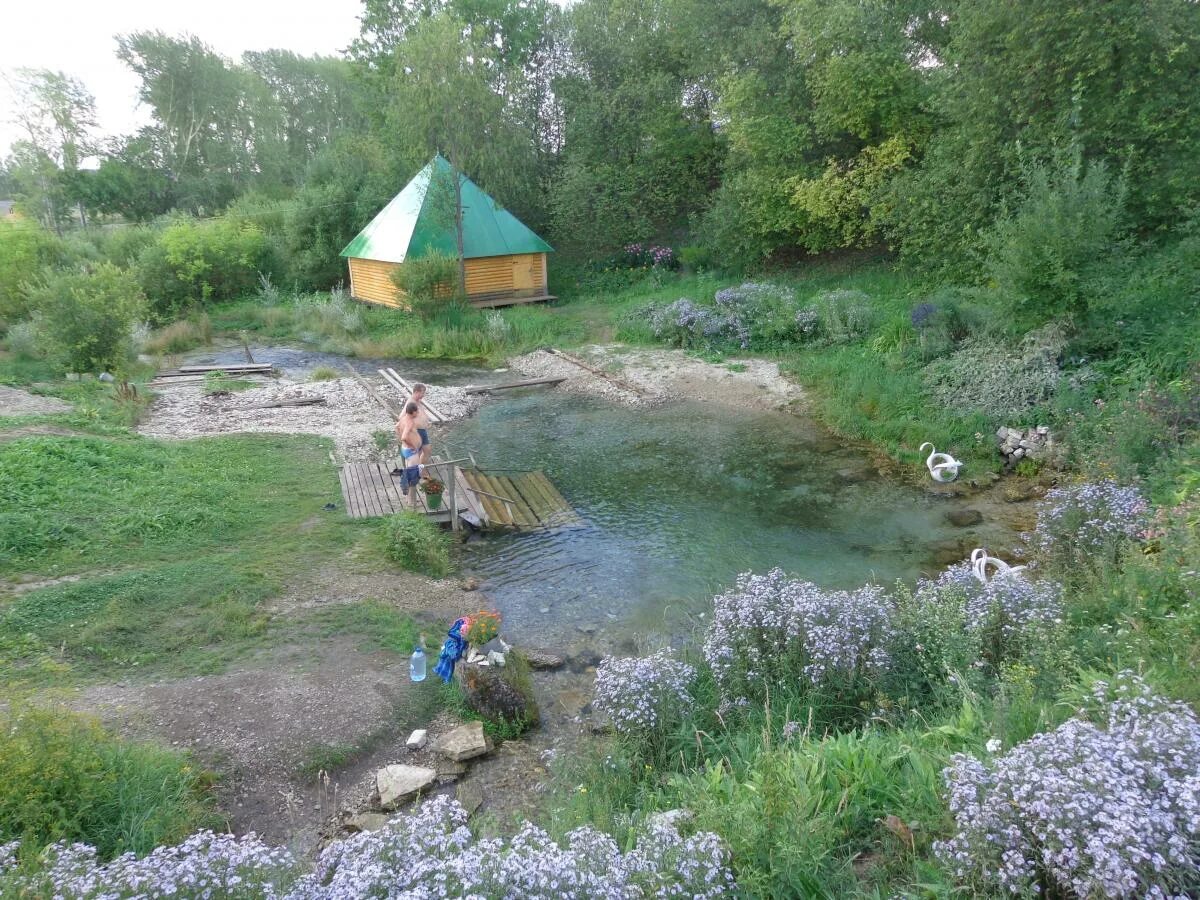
{"x": 16, "y": 402}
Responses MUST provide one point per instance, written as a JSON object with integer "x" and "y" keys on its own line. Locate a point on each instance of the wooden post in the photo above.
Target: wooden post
{"x": 453, "y": 502}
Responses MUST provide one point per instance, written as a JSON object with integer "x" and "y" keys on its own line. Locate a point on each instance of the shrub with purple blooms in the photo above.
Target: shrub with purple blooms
{"x": 642, "y": 694}
{"x": 771, "y": 630}
{"x": 1087, "y": 525}
{"x": 684, "y": 323}
{"x": 432, "y": 854}
{"x": 1106, "y": 805}
{"x": 424, "y": 855}
{"x": 648, "y": 256}
{"x": 205, "y": 865}
{"x": 808, "y": 323}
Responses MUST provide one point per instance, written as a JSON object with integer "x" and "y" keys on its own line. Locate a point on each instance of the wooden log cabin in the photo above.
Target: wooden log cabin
{"x": 505, "y": 261}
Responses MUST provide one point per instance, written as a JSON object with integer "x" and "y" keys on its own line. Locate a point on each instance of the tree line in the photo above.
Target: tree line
{"x": 752, "y": 130}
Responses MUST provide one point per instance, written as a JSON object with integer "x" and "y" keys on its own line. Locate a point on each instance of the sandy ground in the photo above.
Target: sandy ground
{"x": 349, "y": 415}
{"x": 663, "y": 375}
{"x": 16, "y": 402}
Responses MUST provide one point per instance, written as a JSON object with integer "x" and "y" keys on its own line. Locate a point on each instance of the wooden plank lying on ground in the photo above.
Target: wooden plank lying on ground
{"x": 228, "y": 369}
{"x": 378, "y": 397}
{"x": 619, "y": 382}
{"x": 529, "y": 382}
{"x": 297, "y": 401}
{"x": 435, "y": 415}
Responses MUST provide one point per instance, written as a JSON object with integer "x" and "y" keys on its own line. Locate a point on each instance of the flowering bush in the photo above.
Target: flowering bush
{"x": 421, "y": 856}
{"x": 432, "y": 854}
{"x": 643, "y": 256}
{"x": 205, "y": 865}
{"x": 808, "y": 322}
{"x": 846, "y": 315}
{"x": 481, "y": 627}
{"x": 1106, "y": 805}
{"x": 770, "y": 630}
{"x": 1085, "y": 524}
{"x": 642, "y": 694}
{"x": 686, "y": 324}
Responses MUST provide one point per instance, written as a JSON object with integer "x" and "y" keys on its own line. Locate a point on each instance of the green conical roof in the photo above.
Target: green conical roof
{"x": 417, "y": 223}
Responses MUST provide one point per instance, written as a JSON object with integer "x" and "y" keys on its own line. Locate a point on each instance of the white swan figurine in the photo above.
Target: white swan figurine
{"x": 980, "y": 562}
{"x": 942, "y": 466}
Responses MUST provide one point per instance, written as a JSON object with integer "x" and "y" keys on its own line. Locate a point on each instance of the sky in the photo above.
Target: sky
{"x": 78, "y": 37}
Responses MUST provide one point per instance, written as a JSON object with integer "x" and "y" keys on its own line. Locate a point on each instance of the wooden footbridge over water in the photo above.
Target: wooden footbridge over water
{"x": 521, "y": 500}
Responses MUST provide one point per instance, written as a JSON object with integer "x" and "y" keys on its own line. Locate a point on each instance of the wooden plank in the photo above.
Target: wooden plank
{"x": 231, "y": 369}
{"x": 473, "y": 502}
{"x": 529, "y": 382}
{"x": 379, "y": 398}
{"x": 548, "y": 486}
{"x": 600, "y": 373}
{"x": 347, "y": 499}
{"x": 490, "y": 303}
{"x": 435, "y": 416}
{"x": 384, "y": 497}
{"x": 355, "y": 494}
{"x": 362, "y": 473}
{"x": 523, "y": 516}
{"x": 533, "y": 498}
{"x": 495, "y": 509}
{"x": 503, "y": 500}
{"x": 553, "y": 513}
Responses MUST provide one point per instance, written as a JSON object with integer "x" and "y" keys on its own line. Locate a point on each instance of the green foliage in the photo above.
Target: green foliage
{"x": 78, "y": 783}
{"x": 428, "y": 283}
{"x": 411, "y": 541}
{"x": 1064, "y": 226}
{"x": 85, "y": 319}
{"x": 181, "y": 335}
{"x": 846, "y": 315}
{"x": 24, "y": 250}
{"x": 325, "y": 373}
{"x": 195, "y": 263}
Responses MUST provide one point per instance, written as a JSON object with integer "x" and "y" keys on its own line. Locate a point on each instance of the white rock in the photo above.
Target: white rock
{"x": 464, "y": 742}
{"x": 397, "y": 783}
{"x": 417, "y": 739}
{"x": 496, "y": 658}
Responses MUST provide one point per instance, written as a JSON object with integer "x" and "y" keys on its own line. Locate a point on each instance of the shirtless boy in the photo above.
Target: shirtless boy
{"x": 410, "y": 446}
{"x": 422, "y": 421}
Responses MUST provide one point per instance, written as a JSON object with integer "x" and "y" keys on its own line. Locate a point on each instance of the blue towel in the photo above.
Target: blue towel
{"x": 452, "y": 651}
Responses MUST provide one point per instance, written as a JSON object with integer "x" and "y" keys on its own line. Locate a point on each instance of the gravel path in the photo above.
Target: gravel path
{"x": 349, "y": 415}
{"x": 665, "y": 375}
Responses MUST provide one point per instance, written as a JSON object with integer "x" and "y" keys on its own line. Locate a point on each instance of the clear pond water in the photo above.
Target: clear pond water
{"x": 677, "y": 500}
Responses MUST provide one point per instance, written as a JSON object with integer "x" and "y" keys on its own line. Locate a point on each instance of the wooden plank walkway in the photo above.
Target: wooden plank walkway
{"x": 521, "y": 500}
{"x": 370, "y": 490}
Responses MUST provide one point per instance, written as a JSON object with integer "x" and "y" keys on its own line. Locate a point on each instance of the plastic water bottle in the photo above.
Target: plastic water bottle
{"x": 416, "y": 664}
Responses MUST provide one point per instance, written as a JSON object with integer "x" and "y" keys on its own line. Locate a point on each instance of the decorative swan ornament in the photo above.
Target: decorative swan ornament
{"x": 942, "y": 466}
{"x": 980, "y": 562}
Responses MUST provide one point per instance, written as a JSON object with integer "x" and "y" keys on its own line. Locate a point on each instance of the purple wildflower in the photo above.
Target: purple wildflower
{"x": 641, "y": 694}
{"x": 1105, "y": 805}
{"x": 1081, "y": 523}
{"x": 769, "y": 629}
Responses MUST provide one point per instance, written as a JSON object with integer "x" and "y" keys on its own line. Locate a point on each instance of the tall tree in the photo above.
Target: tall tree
{"x": 444, "y": 99}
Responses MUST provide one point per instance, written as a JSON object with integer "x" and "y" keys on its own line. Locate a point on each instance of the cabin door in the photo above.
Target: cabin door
{"x": 524, "y": 277}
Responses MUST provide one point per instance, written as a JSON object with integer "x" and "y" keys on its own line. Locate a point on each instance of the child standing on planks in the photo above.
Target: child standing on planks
{"x": 422, "y": 421}
{"x": 407, "y": 433}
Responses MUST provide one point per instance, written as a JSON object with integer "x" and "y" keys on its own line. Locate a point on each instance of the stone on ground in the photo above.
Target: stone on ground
{"x": 417, "y": 739}
{"x": 465, "y": 742}
{"x": 962, "y": 518}
{"x": 396, "y": 783}
{"x": 470, "y": 795}
{"x": 500, "y": 694}
{"x": 367, "y": 821}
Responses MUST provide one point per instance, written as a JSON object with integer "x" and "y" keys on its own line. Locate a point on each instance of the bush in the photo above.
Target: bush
{"x": 1103, "y": 806}
{"x": 696, "y": 258}
{"x": 325, "y": 373}
{"x": 180, "y": 336}
{"x": 985, "y": 375}
{"x": 846, "y": 315}
{"x": 85, "y": 320}
{"x": 416, "y": 544}
{"x": 1086, "y": 526}
{"x": 24, "y": 250}
{"x": 22, "y": 340}
{"x": 1043, "y": 253}
{"x": 643, "y": 695}
{"x": 684, "y": 323}
{"x": 72, "y": 781}
{"x": 428, "y": 283}
{"x": 195, "y": 262}
{"x": 770, "y": 631}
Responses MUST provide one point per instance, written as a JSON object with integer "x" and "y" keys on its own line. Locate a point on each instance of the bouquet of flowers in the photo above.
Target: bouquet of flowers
{"x": 481, "y": 627}
{"x": 431, "y": 485}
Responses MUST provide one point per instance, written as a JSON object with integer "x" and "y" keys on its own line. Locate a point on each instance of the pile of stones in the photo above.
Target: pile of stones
{"x": 1032, "y": 443}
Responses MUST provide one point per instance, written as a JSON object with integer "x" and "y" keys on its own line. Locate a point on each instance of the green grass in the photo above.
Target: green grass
{"x": 88, "y": 503}
{"x": 70, "y": 780}
{"x": 412, "y": 542}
